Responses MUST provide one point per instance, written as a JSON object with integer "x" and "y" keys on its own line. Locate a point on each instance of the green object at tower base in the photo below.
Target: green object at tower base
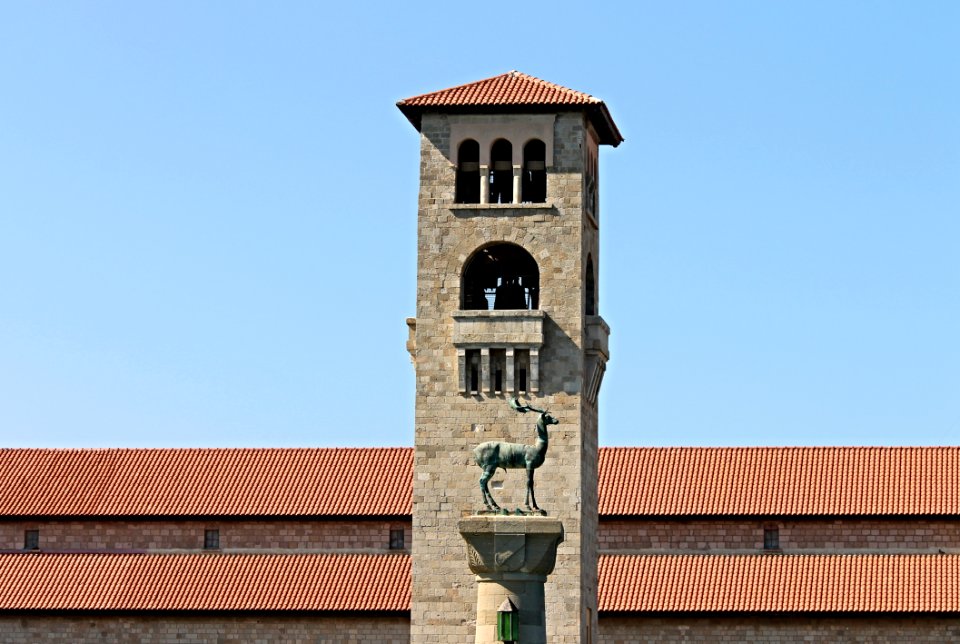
{"x": 508, "y": 622}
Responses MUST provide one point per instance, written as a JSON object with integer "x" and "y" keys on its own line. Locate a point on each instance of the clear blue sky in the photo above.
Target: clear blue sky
{"x": 207, "y": 215}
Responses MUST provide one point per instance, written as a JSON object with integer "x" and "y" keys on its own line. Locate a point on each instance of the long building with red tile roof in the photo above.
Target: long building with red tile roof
{"x": 683, "y": 531}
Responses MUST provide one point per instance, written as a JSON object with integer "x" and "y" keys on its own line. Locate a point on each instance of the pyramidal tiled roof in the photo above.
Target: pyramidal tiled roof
{"x": 814, "y": 583}
{"x": 513, "y": 91}
{"x": 781, "y": 481}
{"x": 513, "y": 88}
{"x": 203, "y": 582}
{"x": 240, "y": 482}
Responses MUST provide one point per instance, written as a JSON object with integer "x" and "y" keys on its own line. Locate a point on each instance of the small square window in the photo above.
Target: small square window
{"x": 211, "y": 539}
{"x": 396, "y": 539}
{"x": 771, "y": 538}
{"x": 31, "y": 539}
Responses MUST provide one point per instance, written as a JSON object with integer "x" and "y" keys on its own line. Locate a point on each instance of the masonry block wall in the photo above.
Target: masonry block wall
{"x": 183, "y": 629}
{"x": 449, "y": 423}
{"x": 729, "y": 536}
{"x": 784, "y": 629}
{"x": 355, "y": 535}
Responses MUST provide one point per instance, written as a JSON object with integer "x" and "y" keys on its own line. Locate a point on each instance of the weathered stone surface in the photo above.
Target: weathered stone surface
{"x": 451, "y": 420}
{"x": 511, "y": 557}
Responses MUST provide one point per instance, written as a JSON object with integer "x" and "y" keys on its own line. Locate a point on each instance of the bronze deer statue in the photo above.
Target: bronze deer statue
{"x": 494, "y": 454}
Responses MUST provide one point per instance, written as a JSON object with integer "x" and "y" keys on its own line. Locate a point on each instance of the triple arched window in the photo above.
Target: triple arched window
{"x": 501, "y": 177}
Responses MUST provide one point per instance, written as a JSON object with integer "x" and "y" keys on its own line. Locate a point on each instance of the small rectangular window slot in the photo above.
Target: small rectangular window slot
{"x": 473, "y": 371}
{"x": 211, "y": 539}
{"x": 771, "y": 538}
{"x": 396, "y": 539}
{"x": 31, "y": 539}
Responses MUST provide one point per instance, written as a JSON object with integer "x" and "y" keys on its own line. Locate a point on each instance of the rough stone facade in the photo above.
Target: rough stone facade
{"x": 216, "y": 629}
{"x": 559, "y": 235}
{"x": 797, "y": 536}
{"x": 157, "y": 536}
{"x": 780, "y": 629}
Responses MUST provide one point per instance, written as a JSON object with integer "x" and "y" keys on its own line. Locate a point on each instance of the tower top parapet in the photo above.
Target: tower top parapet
{"x": 513, "y": 92}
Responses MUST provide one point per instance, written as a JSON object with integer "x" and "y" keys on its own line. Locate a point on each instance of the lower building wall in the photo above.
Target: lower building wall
{"x": 290, "y": 534}
{"x": 204, "y": 630}
{"x": 746, "y": 535}
{"x": 782, "y": 629}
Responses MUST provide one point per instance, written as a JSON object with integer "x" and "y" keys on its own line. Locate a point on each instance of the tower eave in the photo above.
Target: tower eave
{"x": 597, "y": 113}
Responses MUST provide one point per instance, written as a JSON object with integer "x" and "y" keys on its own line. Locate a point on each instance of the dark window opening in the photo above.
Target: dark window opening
{"x": 502, "y": 276}
{"x": 501, "y": 172}
{"x": 211, "y": 539}
{"x": 590, "y": 186}
{"x": 31, "y": 539}
{"x": 534, "y": 180}
{"x": 498, "y": 365}
{"x": 771, "y": 538}
{"x": 590, "y": 288}
{"x": 396, "y": 538}
{"x": 522, "y": 362}
{"x": 473, "y": 371}
{"x": 468, "y": 172}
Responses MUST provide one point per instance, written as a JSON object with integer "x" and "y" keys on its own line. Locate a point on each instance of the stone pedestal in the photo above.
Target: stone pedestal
{"x": 511, "y": 557}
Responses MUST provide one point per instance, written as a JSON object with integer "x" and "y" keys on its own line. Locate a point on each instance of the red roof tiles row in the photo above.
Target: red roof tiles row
{"x": 512, "y": 88}
{"x": 708, "y": 481}
{"x": 354, "y": 582}
{"x": 206, "y": 482}
{"x": 779, "y": 481}
{"x": 204, "y": 582}
{"x": 780, "y": 583}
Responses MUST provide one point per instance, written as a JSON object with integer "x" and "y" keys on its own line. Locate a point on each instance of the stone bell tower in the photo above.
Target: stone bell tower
{"x": 507, "y": 304}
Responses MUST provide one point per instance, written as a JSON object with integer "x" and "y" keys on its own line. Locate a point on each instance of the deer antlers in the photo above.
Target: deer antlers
{"x": 518, "y": 406}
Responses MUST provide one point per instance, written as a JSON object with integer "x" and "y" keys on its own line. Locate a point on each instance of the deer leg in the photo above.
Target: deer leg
{"x": 531, "y": 499}
{"x": 487, "y": 497}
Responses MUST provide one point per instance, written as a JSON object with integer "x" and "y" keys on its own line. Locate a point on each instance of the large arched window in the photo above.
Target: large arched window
{"x": 468, "y": 172}
{"x": 501, "y": 276}
{"x": 501, "y": 172}
{"x": 590, "y": 288}
{"x": 534, "y": 182}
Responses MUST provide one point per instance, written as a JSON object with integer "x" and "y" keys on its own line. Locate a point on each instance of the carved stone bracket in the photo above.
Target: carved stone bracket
{"x": 596, "y": 354}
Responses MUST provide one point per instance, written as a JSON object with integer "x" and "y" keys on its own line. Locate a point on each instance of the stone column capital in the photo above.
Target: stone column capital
{"x": 511, "y": 544}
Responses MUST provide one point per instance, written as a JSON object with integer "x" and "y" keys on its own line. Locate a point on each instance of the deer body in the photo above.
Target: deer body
{"x": 493, "y": 454}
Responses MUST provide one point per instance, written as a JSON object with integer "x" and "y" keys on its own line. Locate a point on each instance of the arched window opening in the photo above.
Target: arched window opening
{"x": 590, "y": 285}
{"x": 468, "y": 172}
{"x": 534, "y": 182}
{"x": 501, "y": 172}
{"x": 502, "y": 276}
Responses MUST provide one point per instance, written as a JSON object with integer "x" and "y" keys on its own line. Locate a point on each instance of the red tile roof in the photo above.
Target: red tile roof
{"x": 782, "y": 481}
{"x": 362, "y": 582}
{"x": 634, "y": 481}
{"x": 780, "y": 583}
{"x": 206, "y": 482}
{"x": 204, "y": 582}
{"x": 513, "y": 91}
